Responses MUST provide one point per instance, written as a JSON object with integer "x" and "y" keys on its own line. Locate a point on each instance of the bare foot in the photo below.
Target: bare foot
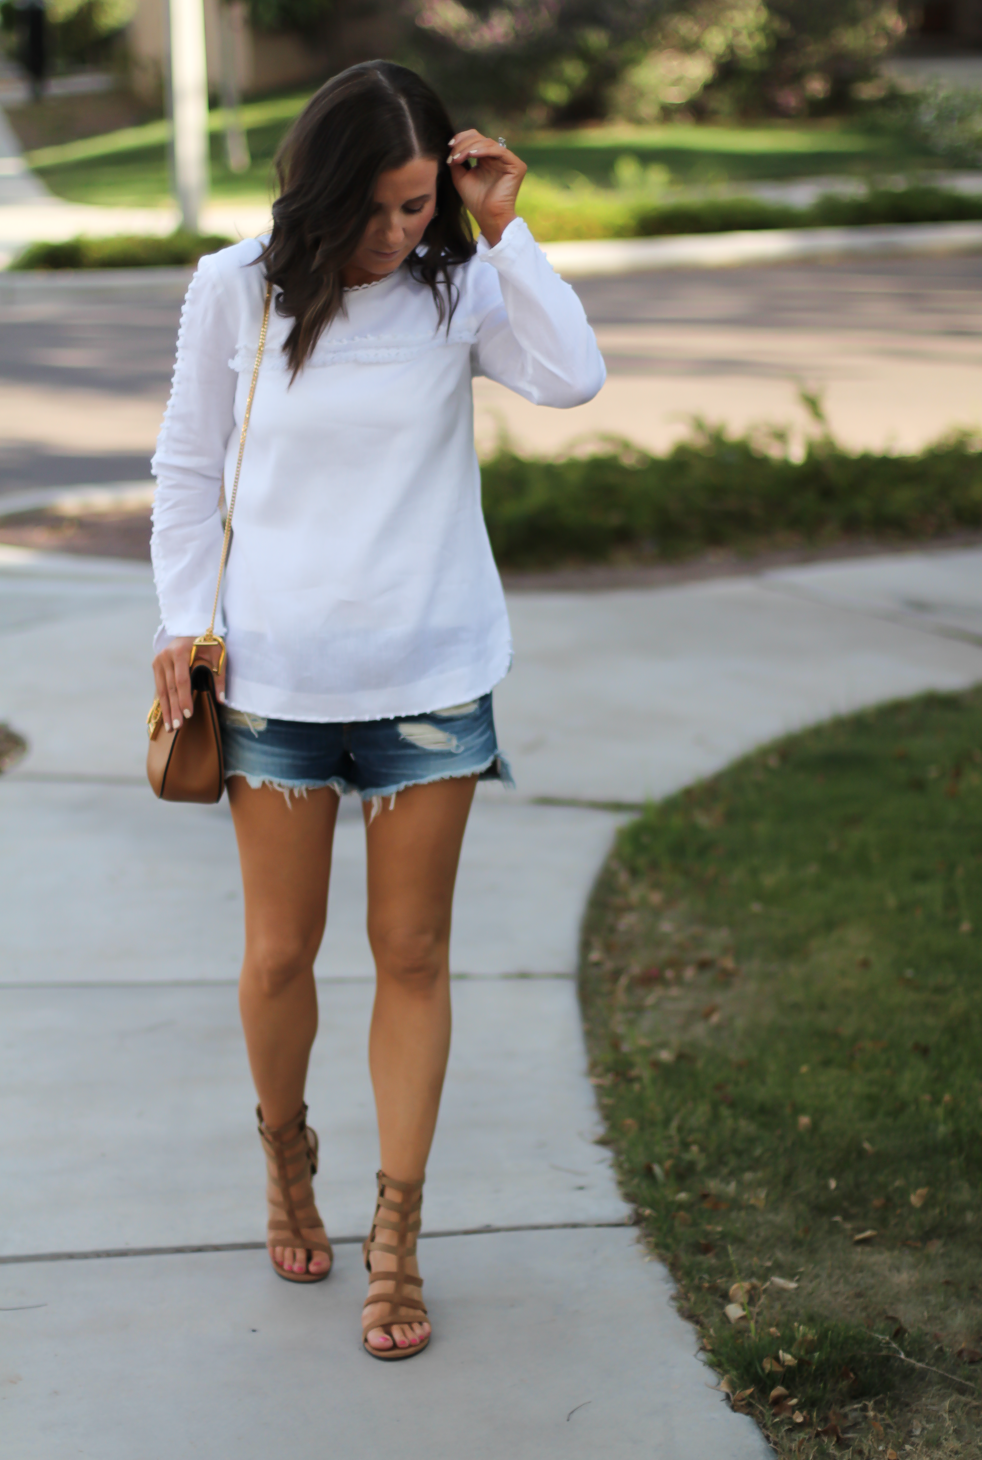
{"x": 294, "y": 1259}
{"x": 403, "y": 1335}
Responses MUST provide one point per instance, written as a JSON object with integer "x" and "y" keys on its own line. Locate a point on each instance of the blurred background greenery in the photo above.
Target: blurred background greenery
{"x": 625, "y": 110}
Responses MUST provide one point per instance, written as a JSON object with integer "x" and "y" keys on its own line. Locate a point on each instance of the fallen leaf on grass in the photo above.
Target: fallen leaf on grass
{"x": 740, "y": 1292}
{"x": 804, "y": 1122}
{"x": 919, "y": 1197}
{"x": 771, "y": 1366}
{"x": 707, "y": 1249}
{"x": 969, "y": 1355}
{"x": 785, "y": 1284}
{"x": 709, "y": 1011}
{"x": 892, "y": 1455}
{"x": 683, "y": 1219}
{"x": 713, "y": 1204}
{"x": 832, "y": 1183}
{"x": 866, "y": 1236}
{"x": 878, "y": 1202}
{"x": 788, "y": 1360}
{"x": 867, "y": 1148}
{"x": 831, "y": 1431}
{"x": 783, "y": 1405}
{"x": 735, "y": 1313}
{"x": 798, "y": 1418}
{"x": 739, "y": 1400}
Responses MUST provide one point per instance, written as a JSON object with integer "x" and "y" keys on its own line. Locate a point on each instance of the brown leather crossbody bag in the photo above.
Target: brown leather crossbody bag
{"x": 186, "y": 763}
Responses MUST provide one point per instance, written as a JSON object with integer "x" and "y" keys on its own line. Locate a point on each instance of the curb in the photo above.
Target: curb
{"x": 12, "y": 282}
{"x": 95, "y": 497}
{"x": 770, "y": 245}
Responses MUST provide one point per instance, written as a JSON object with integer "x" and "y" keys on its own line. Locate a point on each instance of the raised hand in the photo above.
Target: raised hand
{"x": 489, "y": 189}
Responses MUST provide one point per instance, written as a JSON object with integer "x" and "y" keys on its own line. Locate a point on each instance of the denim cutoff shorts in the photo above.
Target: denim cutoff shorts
{"x": 376, "y": 758}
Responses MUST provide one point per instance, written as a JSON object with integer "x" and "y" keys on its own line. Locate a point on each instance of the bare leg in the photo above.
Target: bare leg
{"x": 285, "y": 852}
{"x": 413, "y": 851}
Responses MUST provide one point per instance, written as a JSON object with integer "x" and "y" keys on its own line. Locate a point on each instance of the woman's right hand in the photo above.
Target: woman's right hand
{"x": 172, "y": 676}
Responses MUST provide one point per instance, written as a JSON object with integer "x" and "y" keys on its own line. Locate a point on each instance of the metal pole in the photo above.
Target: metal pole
{"x": 236, "y": 141}
{"x": 189, "y": 107}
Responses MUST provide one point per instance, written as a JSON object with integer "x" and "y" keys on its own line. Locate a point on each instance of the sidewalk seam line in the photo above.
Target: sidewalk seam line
{"x": 231, "y": 983}
{"x": 103, "y": 1254}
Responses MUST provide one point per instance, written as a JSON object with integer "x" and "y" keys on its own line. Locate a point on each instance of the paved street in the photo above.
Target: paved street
{"x": 894, "y": 344}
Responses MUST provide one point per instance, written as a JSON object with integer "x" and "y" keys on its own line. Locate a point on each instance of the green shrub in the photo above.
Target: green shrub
{"x": 583, "y": 211}
{"x": 122, "y": 252}
{"x": 717, "y": 491}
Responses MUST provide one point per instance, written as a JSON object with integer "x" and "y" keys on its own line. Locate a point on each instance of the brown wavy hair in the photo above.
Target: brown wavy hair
{"x": 365, "y": 121}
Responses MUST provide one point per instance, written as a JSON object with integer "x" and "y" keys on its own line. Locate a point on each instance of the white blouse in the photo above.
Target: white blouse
{"x": 360, "y": 582}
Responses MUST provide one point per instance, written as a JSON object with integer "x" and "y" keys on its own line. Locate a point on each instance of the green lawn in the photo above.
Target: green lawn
{"x": 782, "y": 996}
{"x": 129, "y": 167}
{"x": 691, "y": 155}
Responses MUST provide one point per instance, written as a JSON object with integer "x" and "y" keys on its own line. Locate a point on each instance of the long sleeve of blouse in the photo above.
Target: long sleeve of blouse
{"x": 360, "y": 583}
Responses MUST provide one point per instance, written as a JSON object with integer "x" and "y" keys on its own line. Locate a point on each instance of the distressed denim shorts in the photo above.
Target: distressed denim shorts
{"x": 376, "y": 758}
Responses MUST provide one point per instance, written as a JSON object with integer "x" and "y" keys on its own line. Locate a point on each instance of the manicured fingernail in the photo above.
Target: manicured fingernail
{"x": 187, "y": 714}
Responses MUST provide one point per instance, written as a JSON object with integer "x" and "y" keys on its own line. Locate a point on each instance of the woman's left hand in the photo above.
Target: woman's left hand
{"x": 490, "y": 189}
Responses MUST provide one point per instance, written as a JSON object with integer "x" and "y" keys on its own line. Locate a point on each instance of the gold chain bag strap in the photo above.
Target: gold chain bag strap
{"x": 186, "y": 763}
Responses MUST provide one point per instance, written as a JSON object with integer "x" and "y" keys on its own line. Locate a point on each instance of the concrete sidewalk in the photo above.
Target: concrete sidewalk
{"x": 139, "y": 1313}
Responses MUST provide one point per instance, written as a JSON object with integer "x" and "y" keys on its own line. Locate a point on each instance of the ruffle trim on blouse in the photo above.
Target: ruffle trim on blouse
{"x": 194, "y": 288}
{"x": 365, "y": 349}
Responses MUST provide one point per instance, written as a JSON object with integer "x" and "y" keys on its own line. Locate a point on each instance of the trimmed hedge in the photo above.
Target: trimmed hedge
{"x": 587, "y": 212}
{"x": 125, "y": 251}
{"x": 719, "y": 491}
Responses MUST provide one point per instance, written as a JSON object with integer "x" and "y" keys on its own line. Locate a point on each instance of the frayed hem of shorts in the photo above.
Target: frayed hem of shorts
{"x": 497, "y": 765}
{"x": 495, "y": 768}
{"x": 291, "y": 788}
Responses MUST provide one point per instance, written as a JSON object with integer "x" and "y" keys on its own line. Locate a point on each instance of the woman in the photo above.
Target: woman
{"x": 364, "y": 617}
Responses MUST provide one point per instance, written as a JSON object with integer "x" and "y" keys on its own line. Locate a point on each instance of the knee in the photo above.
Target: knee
{"x": 273, "y": 965}
{"x": 415, "y": 958}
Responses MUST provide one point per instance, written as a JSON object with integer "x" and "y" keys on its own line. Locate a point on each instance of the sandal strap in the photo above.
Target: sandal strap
{"x": 291, "y": 1161}
{"x": 402, "y": 1301}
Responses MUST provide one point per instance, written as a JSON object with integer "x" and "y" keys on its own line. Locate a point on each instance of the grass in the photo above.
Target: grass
{"x": 129, "y": 167}
{"x": 720, "y": 491}
{"x": 704, "y": 156}
{"x": 780, "y": 985}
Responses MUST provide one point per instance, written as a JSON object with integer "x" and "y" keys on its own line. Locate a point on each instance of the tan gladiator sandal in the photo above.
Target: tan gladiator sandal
{"x": 402, "y": 1307}
{"x": 291, "y": 1162}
